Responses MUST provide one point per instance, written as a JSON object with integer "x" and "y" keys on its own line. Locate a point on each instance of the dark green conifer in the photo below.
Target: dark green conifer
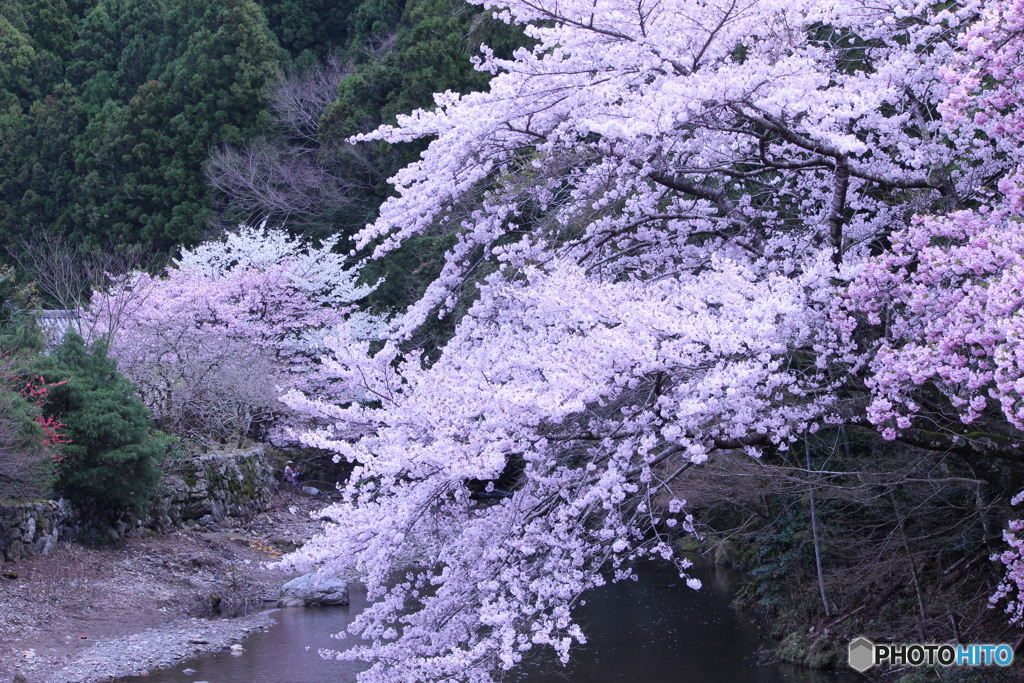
{"x": 111, "y": 463}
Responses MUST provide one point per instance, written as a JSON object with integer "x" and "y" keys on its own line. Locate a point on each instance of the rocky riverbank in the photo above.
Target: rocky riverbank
{"x": 84, "y": 614}
{"x": 199, "y": 491}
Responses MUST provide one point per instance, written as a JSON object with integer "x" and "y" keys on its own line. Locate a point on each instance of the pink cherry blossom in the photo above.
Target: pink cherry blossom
{"x": 230, "y": 325}
{"x": 691, "y": 225}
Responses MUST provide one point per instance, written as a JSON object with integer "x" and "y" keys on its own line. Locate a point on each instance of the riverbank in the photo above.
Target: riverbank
{"x": 91, "y": 614}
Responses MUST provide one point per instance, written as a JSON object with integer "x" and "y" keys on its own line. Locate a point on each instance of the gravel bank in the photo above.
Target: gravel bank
{"x": 86, "y": 614}
{"x": 155, "y": 648}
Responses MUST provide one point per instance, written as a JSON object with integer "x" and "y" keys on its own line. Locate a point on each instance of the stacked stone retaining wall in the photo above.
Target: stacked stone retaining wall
{"x": 28, "y": 529}
{"x": 201, "y": 491}
{"x": 214, "y": 489}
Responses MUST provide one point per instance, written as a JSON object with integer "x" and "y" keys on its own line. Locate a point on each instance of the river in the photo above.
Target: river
{"x": 654, "y": 630}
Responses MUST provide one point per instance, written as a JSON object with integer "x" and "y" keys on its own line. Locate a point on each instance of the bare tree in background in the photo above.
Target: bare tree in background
{"x": 275, "y": 181}
{"x": 297, "y": 178}
{"x": 67, "y": 274}
{"x": 299, "y": 100}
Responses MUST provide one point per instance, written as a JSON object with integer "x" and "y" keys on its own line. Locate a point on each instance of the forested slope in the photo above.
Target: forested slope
{"x": 109, "y": 109}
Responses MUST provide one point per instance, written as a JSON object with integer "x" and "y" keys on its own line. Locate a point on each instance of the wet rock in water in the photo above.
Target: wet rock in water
{"x": 311, "y": 591}
{"x": 311, "y": 491}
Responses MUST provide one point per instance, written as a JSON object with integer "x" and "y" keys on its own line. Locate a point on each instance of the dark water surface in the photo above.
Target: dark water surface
{"x": 655, "y": 630}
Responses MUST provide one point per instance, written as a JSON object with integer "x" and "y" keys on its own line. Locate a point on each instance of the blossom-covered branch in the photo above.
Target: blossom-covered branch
{"x": 230, "y": 326}
{"x": 664, "y": 205}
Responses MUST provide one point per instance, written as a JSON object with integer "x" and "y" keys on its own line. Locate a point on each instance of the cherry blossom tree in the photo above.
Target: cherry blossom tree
{"x": 950, "y": 290}
{"x": 1012, "y": 585}
{"x": 950, "y": 286}
{"x": 663, "y": 205}
{"x": 214, "y": 342}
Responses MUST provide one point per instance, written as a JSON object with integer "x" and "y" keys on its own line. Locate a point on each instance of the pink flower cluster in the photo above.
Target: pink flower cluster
{"x": 230, "y": 325}
{"x": 949, "y": 294}
{"x": 1012, "y": 585}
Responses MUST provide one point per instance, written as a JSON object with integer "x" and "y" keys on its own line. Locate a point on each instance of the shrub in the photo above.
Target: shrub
{"x": 111, "y": 462}
{"x": 29, "y": 440}
{"x": 27, "y": 458}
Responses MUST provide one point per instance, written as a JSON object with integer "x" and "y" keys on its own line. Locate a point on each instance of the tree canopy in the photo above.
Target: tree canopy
{"x": 110, "y": 461}
{"x": 107, "y": 116}
{"x": 229, "y": 326}
{"x": 109, "y": 109}
{"x": 692, "y": 227}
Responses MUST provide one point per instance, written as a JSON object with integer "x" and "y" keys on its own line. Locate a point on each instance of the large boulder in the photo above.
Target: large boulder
{"x": 311, "y": 591}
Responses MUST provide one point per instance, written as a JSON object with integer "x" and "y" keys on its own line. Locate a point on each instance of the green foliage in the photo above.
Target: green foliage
{"x": 308, "y": 29}
{"x": 108, "y": 108}
{"x": 784, "y": 554}
{"x": 814, "y": 652}
{"x": 176, "y": 449}
{"x": 153, "y": 107}
{"x": 112, "y": 460}
{"x": 19, "y": 333}
{"x": 104, "y": 135}
{"x": 433, "y": 41}
{"x": 17, "y": 55}
{"x": 430, "y": 44}
{"x": 26, "y": 465}
{"x": 405, "y": 274}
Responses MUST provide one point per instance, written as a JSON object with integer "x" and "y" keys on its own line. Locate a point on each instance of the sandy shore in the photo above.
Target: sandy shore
{"x": 85, "y": 614}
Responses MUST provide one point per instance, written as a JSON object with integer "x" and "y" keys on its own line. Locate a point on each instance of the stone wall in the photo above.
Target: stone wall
{"x": 31, "y": 528}
{"x": 202, "y": 491}
{"x": 214, "y": 489}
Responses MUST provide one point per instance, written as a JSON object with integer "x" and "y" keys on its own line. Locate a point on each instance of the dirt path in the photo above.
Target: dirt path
{"x": 85, "y": 614}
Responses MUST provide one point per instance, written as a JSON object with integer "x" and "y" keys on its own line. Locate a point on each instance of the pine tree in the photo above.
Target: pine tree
{"x": 111, "y": 463}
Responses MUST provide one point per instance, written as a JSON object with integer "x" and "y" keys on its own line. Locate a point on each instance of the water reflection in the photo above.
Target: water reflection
{"x": 286, "y": 653}
{"x": 655, "y": 630}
